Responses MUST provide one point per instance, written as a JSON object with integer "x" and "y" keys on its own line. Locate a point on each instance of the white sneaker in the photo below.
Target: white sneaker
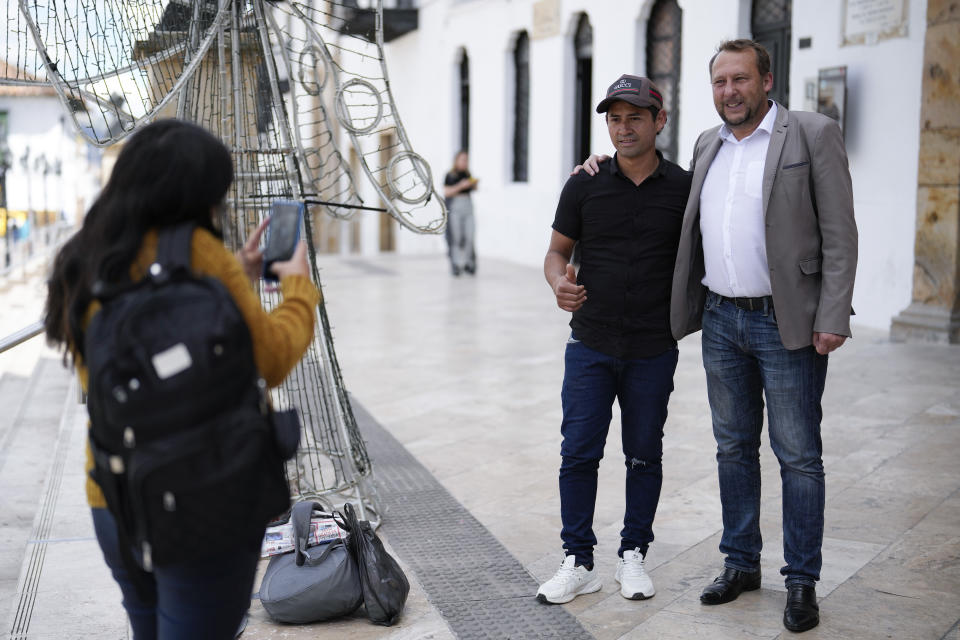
{"x": 635, "y": 584}
{"x": 569, "y": 582}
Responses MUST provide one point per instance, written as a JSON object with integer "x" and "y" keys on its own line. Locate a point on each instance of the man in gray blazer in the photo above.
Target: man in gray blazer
{"x": 766, "y": 264}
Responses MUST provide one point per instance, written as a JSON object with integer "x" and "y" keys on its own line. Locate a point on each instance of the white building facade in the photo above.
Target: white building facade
{"x": 50, "y": 168}
{"x": 881, "y": 112}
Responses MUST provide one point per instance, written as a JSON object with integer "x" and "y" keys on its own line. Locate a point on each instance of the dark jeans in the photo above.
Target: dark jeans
{"x": 195, "y": 601}
{"x": 591, "y": 382}
{"x": 745, "y": 362}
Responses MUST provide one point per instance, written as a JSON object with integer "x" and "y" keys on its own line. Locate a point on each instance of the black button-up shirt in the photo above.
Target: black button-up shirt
{"x": 628, "y": 236}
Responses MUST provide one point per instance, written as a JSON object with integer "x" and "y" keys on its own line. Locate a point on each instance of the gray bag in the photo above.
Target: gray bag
{"x": 310, "y": 585}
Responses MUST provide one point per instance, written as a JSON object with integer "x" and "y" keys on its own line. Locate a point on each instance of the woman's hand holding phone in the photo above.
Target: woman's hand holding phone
{"x": 250, "y": 255}
{"x": 295, "y": 266}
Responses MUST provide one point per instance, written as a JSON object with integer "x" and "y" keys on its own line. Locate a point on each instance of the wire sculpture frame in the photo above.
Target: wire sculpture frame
{"x": 375, "y": 129}
{"x": 266, "y": 90}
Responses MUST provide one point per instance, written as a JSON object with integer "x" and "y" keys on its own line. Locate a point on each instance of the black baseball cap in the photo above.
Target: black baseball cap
{"x": 638, "y": 91}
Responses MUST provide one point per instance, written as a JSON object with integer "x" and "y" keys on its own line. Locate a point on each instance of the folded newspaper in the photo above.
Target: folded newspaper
{"x": 279, "y": 539}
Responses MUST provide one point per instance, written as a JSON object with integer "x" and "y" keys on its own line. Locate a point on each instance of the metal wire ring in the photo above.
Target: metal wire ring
{"x": 312, "y": 87}
{"x": 312, "y": 152}
{"x": 343, "y": 113}
{"x": 420, "y": 165}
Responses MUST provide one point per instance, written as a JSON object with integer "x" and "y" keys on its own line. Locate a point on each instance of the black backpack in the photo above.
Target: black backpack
{"x": 185, "y": 446}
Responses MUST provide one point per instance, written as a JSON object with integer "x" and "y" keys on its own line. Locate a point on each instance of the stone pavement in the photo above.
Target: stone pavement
{"x": 465, "y": 374}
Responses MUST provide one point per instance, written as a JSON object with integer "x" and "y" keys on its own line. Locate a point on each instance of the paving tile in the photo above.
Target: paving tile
{"x": 79, "y": 613}
{"x": 705, "y": 553}
{"x": 926, "y": 559}
{"x": 72, "y": 519}
{"x": 614, "y": 616}
{"x": 671, "y": 625}
{"x": 869, "y": 515}
{"x": 760, "y": 611}
{"x": 945, "y": 517}
{"x": 843, "y": 559}
{"x": 71, "y": 565}
{"x": 865, "y": 608}
{"x": 9, "y": 596}
{"x": 662, "y": 553}
{"x": 688, "y": 515}
{"x": 526, "y": 535}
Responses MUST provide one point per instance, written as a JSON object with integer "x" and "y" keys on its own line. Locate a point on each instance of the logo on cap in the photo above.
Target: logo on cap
{"x": 633, "y": 89}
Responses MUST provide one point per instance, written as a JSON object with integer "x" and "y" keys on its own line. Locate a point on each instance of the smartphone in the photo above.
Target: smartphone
{"x": 283, "y": 234}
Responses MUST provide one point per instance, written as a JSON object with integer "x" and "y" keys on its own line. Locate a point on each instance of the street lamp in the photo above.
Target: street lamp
{"x": 25, "y": 163}
{"x": 4, "y": 165}
{"x": 42, "y": 166}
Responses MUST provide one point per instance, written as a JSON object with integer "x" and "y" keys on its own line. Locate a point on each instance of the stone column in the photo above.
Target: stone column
{"x": 934, "y": 313}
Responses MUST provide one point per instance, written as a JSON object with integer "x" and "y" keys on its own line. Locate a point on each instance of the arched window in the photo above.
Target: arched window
{"x": 464, "y": 101}
{"x": 770, "y": 23}
{"x": 521, "y": 106}
{"x": 583, "y": 55}
{"x": 663, "y": 67}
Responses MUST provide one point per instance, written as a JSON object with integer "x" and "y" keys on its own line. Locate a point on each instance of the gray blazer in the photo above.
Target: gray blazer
{"x": 811, "y": 233}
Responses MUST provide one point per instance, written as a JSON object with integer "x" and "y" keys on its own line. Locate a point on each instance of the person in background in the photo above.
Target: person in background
{"x": 168, "y": 173}
{"x": 626, "y": 221}
{"x": 458, "y": 184}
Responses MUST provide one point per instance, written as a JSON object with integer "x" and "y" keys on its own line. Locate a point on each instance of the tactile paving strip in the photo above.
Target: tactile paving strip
{"x": 477, "y": 586}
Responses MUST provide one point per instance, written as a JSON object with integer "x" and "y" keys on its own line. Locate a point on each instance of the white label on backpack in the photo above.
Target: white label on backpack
{"x": 172, "y": 361}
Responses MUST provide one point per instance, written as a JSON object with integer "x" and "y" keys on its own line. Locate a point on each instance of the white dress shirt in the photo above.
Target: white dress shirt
{"x": 731, "y": 214}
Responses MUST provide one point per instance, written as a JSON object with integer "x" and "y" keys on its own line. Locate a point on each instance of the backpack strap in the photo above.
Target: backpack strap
{"x": 173, "y": 249}
{"x": 173, "y": 256}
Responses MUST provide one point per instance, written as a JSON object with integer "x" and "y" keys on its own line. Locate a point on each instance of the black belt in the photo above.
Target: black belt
{"x": 750, "y": 304}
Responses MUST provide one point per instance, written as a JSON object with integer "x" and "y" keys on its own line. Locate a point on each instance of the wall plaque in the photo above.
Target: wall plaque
{"x": 869, "y": 21}
{"x": 546, "y": 18}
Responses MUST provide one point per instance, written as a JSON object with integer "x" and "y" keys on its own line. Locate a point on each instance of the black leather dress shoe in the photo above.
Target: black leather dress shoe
{"x": 730, "y": 584}
{"x": 802, "y": 612}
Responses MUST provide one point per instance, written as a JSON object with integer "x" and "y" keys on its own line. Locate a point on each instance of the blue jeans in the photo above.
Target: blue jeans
{"x": 195, "y": 601}
{"x": 591, "y": 382}
{"x": 745, "y": 362}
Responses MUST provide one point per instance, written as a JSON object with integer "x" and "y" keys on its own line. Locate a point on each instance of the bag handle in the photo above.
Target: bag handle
{"x": 328, "y": 547}
{"x": 351, "y": 522}
{"x": 300, "y": 516}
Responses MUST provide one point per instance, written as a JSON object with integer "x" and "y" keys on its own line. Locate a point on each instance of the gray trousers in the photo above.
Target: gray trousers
{"x": 460, "y": 224}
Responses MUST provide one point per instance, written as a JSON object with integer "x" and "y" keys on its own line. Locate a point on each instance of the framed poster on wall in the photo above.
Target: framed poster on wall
{"x": 832, "y": 94}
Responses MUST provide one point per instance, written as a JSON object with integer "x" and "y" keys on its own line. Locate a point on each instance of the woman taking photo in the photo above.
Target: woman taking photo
{"x": 167, "y": 174}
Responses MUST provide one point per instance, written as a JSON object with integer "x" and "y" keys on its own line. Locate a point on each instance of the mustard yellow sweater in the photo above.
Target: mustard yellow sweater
{"x": 280, "y": 337}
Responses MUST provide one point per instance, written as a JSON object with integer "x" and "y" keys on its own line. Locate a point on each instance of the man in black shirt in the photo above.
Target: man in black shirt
{"x": 627, "y": 223}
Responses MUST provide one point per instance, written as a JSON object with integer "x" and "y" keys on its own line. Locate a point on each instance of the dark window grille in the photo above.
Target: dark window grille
{"x": 521, "y": 106}
{"x": 663, "y": 67}
{"x": 465, "y": 102}
{"x": 771, "y": 27}
{"x": 583, "y": 54}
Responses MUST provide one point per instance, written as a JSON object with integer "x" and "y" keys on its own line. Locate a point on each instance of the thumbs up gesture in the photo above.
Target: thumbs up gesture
{"x": 570, "y": 295}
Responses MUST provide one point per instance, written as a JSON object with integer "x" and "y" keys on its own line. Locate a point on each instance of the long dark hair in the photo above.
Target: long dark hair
{"x": 169, "y": 172}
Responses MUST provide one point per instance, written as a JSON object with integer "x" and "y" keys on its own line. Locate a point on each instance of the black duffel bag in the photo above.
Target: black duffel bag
{"x": 384, "y": 585}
